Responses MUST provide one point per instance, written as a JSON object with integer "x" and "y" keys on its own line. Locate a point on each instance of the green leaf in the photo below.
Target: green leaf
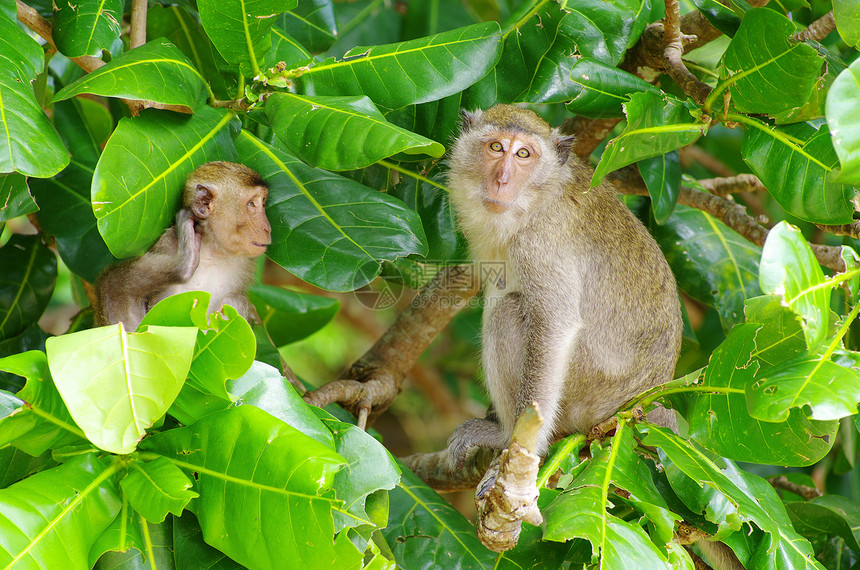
{"x": 30, "y": 146}
{"x": 40, "y": 419}
{"x": 264, "y": 387}
{"x": 67, "y": 213}
{"x": 603, "y": 30}
{"x": 312, "y": 23}
{"x": 183, "y": 29}
{"x": 409, "y": 72}
{"x": 656, "y": 124}
{"x": 156, "y": 488}
{"x": 828, "y": 514}
{"x": 156, "y": 71}
{"x": 425, "y": 531}
{"x": 795, "y": 163}
{"x": 279, "y": 482}
{"x": 52, "y": 519}
{"x": 766, "y": 71}
{"x": 662, "y": 176}
{"x": 740, "y": 504}
{"x": 597, "y": 90}
{"x": 26, "y": 283}
{"x": 88, "y": 27}
{"x": 240, "y": 28}
{"x": 720, "y": 16}
{"x": 356, "y": 133}
{"x": 370, "y": 468}
{"x": 790, "y": 270}
{"x": 712, "y": 263}
{"x": 290, "y": 316}
{"x": 580, "y": 512}
{"x": 847, "y": 15}
{"x": 137, "y": 188}
{"x": 843, "y": 118}
{"x": 117, "y": 384}
{"x": 326, "y": 229}
{"x": 15, "y": 197}
{"x": 225, "y": 345}
{"x": 285, "y": 48}
{"x": 191, "y": 551}
{"x": 719, "y": 419}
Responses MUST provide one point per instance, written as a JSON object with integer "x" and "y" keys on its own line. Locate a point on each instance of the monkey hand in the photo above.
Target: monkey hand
{"x": 189, "y": 243}
{"x": 475, "y": 433}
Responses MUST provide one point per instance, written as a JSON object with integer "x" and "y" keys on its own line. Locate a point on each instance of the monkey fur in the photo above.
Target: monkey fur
{"x": 219, "y": 231}
{"x": 586, "y": 314}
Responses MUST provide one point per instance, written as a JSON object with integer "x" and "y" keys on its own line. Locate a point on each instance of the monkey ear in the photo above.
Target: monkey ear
{"x": 563, "y": 143}
{"x": 202, "y": 204}
{"x": 468, "y": 119}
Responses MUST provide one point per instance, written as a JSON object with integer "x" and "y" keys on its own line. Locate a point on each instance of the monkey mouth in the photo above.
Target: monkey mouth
{"x": 263, "y": 245}
{"x": 496, "y": 206}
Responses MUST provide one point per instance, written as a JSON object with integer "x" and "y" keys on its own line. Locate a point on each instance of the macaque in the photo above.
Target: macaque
{"x": 585, "y": 314}
{"x": 219, "y": 231}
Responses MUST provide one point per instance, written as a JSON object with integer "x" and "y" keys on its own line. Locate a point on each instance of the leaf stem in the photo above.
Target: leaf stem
{"x": 554, "y": 463}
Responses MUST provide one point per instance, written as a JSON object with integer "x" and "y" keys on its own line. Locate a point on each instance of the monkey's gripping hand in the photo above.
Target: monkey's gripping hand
{"x": 475, "y": 433}
{"x": 188, "y": 245}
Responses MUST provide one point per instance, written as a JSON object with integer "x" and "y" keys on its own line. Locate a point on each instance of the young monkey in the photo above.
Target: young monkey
{"x": 586, "y": 315}
{"x": 219, "y": 231}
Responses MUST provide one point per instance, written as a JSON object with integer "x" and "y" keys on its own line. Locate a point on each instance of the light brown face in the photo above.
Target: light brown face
{"x": 253, "y": 232}
{"x": 509, "y": 158}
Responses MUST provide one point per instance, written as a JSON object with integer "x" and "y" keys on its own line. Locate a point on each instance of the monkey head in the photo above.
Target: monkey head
{"x": 506, "y": 155}
{"x": 228, "y": 204}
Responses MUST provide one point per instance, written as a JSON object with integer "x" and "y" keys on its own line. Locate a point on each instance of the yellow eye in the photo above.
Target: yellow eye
{"x": 496, "y": 146}
{"x": 523, "y": 153}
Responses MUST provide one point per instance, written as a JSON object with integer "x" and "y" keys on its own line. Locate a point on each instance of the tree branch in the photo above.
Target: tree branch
{"x": 375, "y": 379}
{"x": 781, "y": 482}
{"x": 672, "y": 52}
{"x": 137, "y": 33}
{"x": 819, "y": 29}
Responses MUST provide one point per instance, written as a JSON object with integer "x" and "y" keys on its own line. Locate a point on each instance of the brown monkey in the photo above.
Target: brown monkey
{"x": 586, "y": 315}
{"x": 220, "y": 229}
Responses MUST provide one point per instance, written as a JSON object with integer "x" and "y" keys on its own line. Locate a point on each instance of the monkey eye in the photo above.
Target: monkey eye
{"x": 523, "y": 153}
{"x": 496, "y": 146}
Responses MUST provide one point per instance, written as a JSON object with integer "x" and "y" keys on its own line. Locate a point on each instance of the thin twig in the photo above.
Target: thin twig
{"x": 137, "y": 32}
{"x": 672, "y": 52}
{"x": 805, "y": 491}
{"x": 819, "y": 29}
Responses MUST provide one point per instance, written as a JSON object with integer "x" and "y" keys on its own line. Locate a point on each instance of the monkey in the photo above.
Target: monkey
{"x": 219, "y": 231}
{"x": 585, "y": 314}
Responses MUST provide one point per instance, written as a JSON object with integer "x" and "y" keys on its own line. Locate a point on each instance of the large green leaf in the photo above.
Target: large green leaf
{"x": 656, "y": 124}
{"x": 795, "y": 163}
{"x": 425, "y": 531}
{"x": 265, "y": 489}
{"x": 789, "y": 269}
{"x": 733, "y": 501}
{"x": 712, "y": 263}
{"x": 312, "y": 23}
{"x": 356, "y": 133}
{"x": 117, "y": 384}
{"x": 843, "y": 118}
{"x": 719, "y": 419}
{"x": 240, "y": 28}
{"x": 286, "y": 49}
{"x": 53, "y": 518}
{"x": 290, "y": 316}
{"x": 410, "y": 72}
{"x": 156, "y": 71}
{"x": 65, "y": 211}
{"x": 36, "y": 419}
{"x": 767, "y": 71}
{"x": 88, "y": 27}
{"x": 847, "y": 15}
{"x": 26, "y": 283}
{"x": 581, "y": 511}
{"x": 603, "y": 30}
{"x": 183, "y": 29}
{"x": 328, "y": 230}
{"x": 598, "y": 90}
{"x": 828, "y": 514}
{"x": 662, "y": 176}
{"x": 137, "y": 187}
{"x": 29, "y": 144}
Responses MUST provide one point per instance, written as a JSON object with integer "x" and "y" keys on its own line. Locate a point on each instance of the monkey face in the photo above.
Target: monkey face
{"x": 252, "y": 231}
{"x": 509, "y": 158}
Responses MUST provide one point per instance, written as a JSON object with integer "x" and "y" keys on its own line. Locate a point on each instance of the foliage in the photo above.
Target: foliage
{"x": 172, "y": 445}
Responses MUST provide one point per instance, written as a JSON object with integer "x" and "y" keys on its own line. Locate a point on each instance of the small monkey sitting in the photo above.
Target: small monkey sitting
{"x": 587, "y": 314}
{"x": 219, "y": 231}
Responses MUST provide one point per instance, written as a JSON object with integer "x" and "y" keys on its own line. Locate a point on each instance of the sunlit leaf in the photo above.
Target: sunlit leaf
{"x": 843, "y": 118}
{"x": 86, "y": 27}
